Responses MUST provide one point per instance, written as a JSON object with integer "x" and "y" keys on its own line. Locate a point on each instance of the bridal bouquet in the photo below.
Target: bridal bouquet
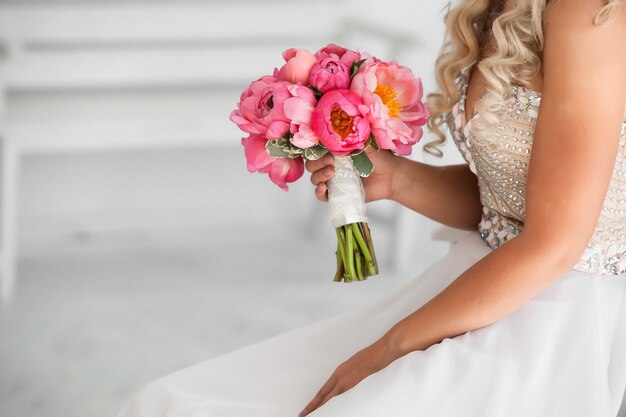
{"x": 338, "y": 101}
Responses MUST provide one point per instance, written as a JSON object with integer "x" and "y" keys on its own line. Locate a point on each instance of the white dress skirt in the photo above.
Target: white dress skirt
{"x": 563, "y": 354}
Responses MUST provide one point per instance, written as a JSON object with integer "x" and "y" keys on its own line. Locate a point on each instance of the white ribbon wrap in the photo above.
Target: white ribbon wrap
{"x": 346, "y": 197}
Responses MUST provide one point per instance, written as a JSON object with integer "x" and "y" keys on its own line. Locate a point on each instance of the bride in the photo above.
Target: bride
{"x": 526, "y": 316}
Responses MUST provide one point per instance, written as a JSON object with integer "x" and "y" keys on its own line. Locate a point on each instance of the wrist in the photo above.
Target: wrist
{"x": 409, "y": 335}
{"x": 396, "y": 342}
{"x": 388, "y": 352}
{"x": 399, "y": 178}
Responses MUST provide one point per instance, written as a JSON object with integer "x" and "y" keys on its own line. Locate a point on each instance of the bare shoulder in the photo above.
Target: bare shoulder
{"x": 574, "y": 14}
{"x": 570, "y": 24}
{"x": 577, "y": 132}
{"x": 581, "y": 59}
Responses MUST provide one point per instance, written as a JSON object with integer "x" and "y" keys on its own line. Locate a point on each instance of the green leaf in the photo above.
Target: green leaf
{"x": 283, "y": 141}
{"x": 362, "y": 164}
{"x": 317, "y": 92}
{"x": 275, "y": 150}
{"x": 282, "y": 148}
{"x": 355, "y": 68}
{"x": 372, "y": 141}
{"x": 315, "y": 152}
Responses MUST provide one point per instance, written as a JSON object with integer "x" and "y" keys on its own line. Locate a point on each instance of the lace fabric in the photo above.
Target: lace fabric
{"x": 499, "y": 157}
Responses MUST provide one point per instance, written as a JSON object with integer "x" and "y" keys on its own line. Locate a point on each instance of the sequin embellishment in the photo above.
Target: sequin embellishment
{"x": 499, "y": 158}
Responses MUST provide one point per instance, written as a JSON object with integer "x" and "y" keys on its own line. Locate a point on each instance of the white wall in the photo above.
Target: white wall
{"x": 114, "y": 196}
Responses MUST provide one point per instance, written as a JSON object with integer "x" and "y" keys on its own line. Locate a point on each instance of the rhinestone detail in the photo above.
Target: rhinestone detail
{"x": 499, "y": 158}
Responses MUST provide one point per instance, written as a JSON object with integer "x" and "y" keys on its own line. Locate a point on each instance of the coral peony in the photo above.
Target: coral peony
{"x": 340, "y": 121}
{"x": 260, "y": 109}
{"x": 298, "y": 63}
{"x": 280, "y": 170}
{"x": 393, "y": 96}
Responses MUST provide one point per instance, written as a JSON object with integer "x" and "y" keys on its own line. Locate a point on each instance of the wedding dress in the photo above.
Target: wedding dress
{"x": 563, "y": 354}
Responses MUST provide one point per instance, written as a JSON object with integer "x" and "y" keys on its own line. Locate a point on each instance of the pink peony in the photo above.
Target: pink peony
{"x": 280, "y": 170}
{"x": 330, "y": 74}
{"x": 393, "y": 96}
{"x": 345, "y": 55}
{"x": 332, "y": 69}
{"x": 260, "y": 109}
{"x": 298, "y": 109}
{"x": 298, "y": 63}
{"x": 340, "y": 121}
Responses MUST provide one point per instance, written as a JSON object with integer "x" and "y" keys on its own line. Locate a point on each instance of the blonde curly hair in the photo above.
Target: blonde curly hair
{"x": 519, "y": 41}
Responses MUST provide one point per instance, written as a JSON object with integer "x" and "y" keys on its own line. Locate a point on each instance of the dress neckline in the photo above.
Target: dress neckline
{"x": 465, "y": 73}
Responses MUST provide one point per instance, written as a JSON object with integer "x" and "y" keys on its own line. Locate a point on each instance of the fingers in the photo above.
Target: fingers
{"x": 322, "y": 175}
{"x": 316, "y": 165}
{"x": 337, "y": 390}
{"x": 320, "y": 192}
{"x": 318, "y": 402}
{"x": 322, "y": 170}
{"x": 320, "y": 397}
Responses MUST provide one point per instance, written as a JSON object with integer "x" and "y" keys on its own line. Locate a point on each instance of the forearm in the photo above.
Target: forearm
{"x": 447, "y": 194}
{"x": 493, "y": 288}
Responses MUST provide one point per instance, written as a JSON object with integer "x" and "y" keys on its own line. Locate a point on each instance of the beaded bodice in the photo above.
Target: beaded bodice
{"x": 499, "y": 157}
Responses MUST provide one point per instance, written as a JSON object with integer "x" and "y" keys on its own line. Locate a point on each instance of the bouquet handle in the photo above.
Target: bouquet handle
{"x": 346, "y": 197}
{"x": 356, "y": 259}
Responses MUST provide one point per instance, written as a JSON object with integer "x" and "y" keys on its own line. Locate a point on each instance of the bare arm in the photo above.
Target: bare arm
{"x": 447, "y": 194}
{"x": 572, "y": 160}
{"x": 574, "y": 149}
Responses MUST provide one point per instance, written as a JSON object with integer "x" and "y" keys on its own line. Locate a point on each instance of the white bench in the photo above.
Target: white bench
{"x": 97, "y": 48}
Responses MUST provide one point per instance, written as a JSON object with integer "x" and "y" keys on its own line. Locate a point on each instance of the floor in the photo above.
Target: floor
{"x": 90, "y": 326}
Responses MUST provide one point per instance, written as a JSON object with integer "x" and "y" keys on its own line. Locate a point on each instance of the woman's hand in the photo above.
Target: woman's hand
{"x": 364, "y": 363}
{"x": 378, "y": 186}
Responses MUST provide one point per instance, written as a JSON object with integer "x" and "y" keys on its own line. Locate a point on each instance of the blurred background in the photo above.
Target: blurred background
{"x": 133, "y": 240}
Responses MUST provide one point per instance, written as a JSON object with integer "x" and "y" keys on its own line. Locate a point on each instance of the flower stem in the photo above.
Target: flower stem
{"x": 373, "y": 265}
{"x": 355, "y": 256}
{"x": 341, "y": 245}
{"x": 340, "y": 268}
{"x": 350, "y": 253}
{"x": 359, "y": 271}
{"x": 362, "y": 245}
